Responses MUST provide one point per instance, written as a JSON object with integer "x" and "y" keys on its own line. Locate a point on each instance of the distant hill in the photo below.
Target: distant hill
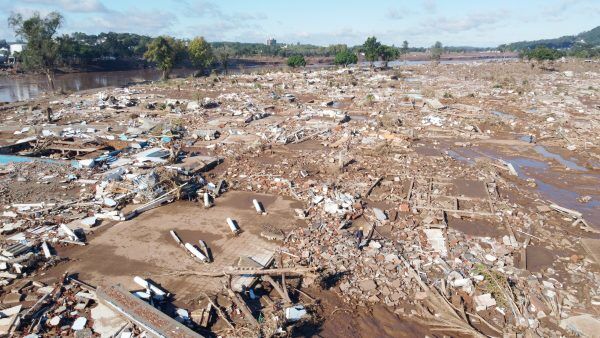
{"x": 590, "y": 38}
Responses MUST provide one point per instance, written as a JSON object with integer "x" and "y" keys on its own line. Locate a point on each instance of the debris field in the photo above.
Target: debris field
{"x": 450, "y": 199}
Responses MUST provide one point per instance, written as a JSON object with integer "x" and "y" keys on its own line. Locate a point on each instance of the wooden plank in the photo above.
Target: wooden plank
{"x": 373, "y": 186}
{"x": 219, "y": 311}
{"x": 241, "y": 304}
{"x": 410, "y": 189}
{"x": 283, "y": 284}
{"x": 283, "y": 294}
{"x": 489, "y": 197}
{"x": 462, "y": 212}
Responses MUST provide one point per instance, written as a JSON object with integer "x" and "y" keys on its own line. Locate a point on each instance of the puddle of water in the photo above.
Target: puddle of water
{"x": 523, "y": 162}
{"x": 560, "y": 196}
{"x": 459, "y": 157}
{"x": 6, "y": 159}
{"x": 568, "y": 199}
{"x": 564, "y": 197}
{"x": 567, "y": 163}
{"x": 503, "y": 115}
{"x": 526, "y": 138}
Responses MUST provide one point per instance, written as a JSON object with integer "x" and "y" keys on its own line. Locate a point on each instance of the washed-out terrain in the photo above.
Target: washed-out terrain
{"x": 231, "y": 205}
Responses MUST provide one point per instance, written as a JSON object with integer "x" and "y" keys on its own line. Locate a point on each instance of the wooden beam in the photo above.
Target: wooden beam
{"x": 241, "y": 304}
{"x": 283, "y": 285}
{"x": 219, "y": 311}
{"x": 410, "y": 189}
{"x": 299, "y": 271}
{"x": 489, "y": 197}
{"x": 283, "y": 294}
{"x": 462, "y": 212}
{"x": 373, "y": 186}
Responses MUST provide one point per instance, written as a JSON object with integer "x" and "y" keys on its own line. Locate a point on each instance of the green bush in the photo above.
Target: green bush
{"x": 295, "y": 61}
{"x": 345, "y": 58}
{"x": 542, "y": 53}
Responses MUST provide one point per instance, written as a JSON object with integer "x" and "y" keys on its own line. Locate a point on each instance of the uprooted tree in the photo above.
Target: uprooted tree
{"x": 41, "y": 51}
{"x": 166, "y": 52}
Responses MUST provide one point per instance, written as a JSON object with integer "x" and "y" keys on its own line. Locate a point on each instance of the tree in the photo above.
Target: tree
{"x": 295, "y": 61}
{"x": 41, "y": 51}
{"x": 404, "y": 49}
{"x": 436, "y": 51}
{"x": 345, "y": 58}
{"x": 337, "y": 49}
{"x": 371, "y": 48}
{"x": 166, "y": 52}
{"x": 541, "y": 53}
{"x": 201, "y": 53}
{"x": 223, "y": 55}
{"x": 387, "y": 54}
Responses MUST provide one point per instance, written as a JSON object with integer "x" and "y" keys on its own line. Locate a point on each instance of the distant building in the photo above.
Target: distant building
{"x": 16, "y": 47}
{"x": 271, "y": 42}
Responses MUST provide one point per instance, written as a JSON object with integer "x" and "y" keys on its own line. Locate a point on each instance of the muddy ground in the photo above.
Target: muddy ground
{"x": 481, "y": 151}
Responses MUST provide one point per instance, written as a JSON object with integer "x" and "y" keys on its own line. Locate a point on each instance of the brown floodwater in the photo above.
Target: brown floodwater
{"x": 21, "y": 88}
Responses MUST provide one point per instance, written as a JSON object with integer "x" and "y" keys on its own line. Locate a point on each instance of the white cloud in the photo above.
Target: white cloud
{"x": 478, "y": 20}
{"x": 205, "y": 8}
{"x": 132, "y": 20}
{"x": 81, "y": 6}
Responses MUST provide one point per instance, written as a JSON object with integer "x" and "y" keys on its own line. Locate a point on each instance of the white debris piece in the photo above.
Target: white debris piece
{"x": 295, "y": 313}
{"x": 482, "y": 302}
{"x": 258, "y": 206}
{"x": 380, "y": 214}
{"x": 436, "y": 239}
{"x": 195, "y": 252}
{"x": 233, "y": 225}
{"x": 69, "y": 232}
{"x": 79, "y": 324}
{"x": 147, "y": 285}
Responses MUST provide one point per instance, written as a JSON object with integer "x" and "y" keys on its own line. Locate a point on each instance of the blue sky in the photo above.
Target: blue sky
{"x": 421, "y": 22}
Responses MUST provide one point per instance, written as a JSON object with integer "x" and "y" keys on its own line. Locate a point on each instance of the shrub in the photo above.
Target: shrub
{"x": 345, "y": 58}
{"x": 295, "y": 61}
{"x": 541, "y": 53}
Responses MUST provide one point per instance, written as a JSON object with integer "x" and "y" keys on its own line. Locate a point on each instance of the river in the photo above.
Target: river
{"x": 21, "y": 88}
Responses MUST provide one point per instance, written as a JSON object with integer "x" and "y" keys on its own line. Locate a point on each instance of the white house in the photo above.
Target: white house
{"x": 16, "y": 47}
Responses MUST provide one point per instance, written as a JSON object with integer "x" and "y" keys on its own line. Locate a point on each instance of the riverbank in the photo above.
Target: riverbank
{"x": 27, "y": 86}
{"x": 253, "y": 62}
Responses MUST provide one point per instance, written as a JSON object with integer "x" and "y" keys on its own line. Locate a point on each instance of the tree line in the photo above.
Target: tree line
{"x": 45, "y": 50}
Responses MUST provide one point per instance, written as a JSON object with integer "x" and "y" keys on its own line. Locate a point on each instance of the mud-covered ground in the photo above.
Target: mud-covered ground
{"x": 469, "y": 181}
